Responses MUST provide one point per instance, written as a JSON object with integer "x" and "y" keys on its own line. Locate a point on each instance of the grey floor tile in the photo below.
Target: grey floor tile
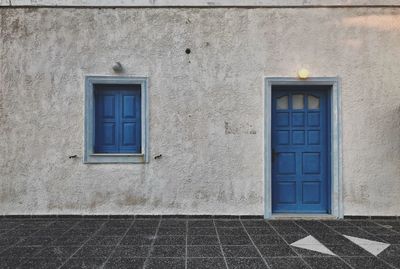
{"x": 235, "y": 240}
{"x": 336, "y": 223}
{"x": 286, "y": 263}
{"x": 89, "y": 224}
{"x": 245, "y": 263}
{"x": 70, "y": 241}
{"x": 202, "y": 231}
{"x": 200, "y": 223}
{"x": 205, "y": 263}
{"x": 268, "y": 240}
{"x": 178, "y": 223}
{"x": 326, "y": 263}
{"x": 84, "y": 263}
{"x": 363, "y": 223}
{"x": 227, "y": 223}
{"x": 260, "y": 231}
{"x": 8, "y": 241}
{"x": 393, "y": 260}
{"x": 366, "y": 262}
{"x": 50, "y": 232}
{"x": 231, "y": 231}
{"x": 103, "y": 241}
{"x": 118, "y": 223}
{"x": 93, "y": 251}
{"x": 315, "y": 224}
{"x": 204, "y": 251}
{"x": 135, "y": 231}
{"x": 379, "y": 231}
{"x": 40, "y": 263}
{"x": 171, "y": 231}
{"x": 137, "y": 240}
{"x": 276, "y": 251}
{"x": 165, "y": 263}
{"x": 36, "y": 241}
{"x": 131, "y": 251}
{"x": 282, "y": 223}
{"x": 16, "y": 252}
{"x": 146, "y": 223}
{"x": 55, "y": 252}
{"x": 62, "y": 224}
{"x": 255, "y": 223}
{"x": 240, "y": 251}
{"x": 8, "y": 225}
{"x": 170, "y": 240}
{"x": 392, "y": 239}
{"x": 11, "y": 263}
{"x": 124, "y": 263}
{"x": 22, "y": 232}
{"x": 168, "y": 251}
{"x": 352, "y": 231}
{"x": 202, "y": 240}
{"x": 111, "y": 232}
{"x": 289, "y": 230}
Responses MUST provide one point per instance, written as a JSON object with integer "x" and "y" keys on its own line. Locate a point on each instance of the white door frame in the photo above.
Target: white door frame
{"x": 336, "y": 139}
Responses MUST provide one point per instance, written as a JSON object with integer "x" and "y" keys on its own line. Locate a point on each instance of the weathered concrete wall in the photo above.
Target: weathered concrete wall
{"x": 206, "y": 108}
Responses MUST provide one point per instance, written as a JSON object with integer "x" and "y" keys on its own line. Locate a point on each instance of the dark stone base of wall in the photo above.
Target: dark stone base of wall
{"x": 134, "y": 216}
{"x": 349, "y": 217}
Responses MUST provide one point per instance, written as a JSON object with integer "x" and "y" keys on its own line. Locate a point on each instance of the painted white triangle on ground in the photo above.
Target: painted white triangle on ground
{"x": 313, "y": 244}
{"x": 373, "y": 247}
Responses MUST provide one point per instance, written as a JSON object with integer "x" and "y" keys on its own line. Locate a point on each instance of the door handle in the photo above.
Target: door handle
{"x": 274, "y": 154}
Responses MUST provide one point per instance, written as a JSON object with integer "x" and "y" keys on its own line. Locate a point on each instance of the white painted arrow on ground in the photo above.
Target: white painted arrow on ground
{"x": 373, "y": 247}
{"x": 313, "y": 244}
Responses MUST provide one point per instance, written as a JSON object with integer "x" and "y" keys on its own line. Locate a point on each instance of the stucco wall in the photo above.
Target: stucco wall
{"x": 206, "y": 108}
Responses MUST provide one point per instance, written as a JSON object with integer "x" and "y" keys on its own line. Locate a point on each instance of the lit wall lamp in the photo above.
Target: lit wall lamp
{"x": 303, "y": 73}
{"x": 117, "y": 67}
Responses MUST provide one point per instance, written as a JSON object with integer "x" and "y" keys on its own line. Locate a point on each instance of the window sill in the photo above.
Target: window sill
{"x": 115, "y": 158}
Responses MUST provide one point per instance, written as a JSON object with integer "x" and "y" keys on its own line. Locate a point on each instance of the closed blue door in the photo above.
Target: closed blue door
{"x": 300, "y": 149}
{"x": 118, "y": 119}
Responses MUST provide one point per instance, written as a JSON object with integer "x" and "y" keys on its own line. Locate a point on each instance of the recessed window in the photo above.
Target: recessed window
{"x": 116, "y": 120}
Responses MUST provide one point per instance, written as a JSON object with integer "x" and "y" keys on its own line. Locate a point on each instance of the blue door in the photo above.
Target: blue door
{"x": 118, "y": 119}
{"x": 300, "y": 149}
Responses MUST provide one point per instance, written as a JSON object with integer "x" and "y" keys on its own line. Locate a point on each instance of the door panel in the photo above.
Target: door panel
{"x": 300, "y": 149}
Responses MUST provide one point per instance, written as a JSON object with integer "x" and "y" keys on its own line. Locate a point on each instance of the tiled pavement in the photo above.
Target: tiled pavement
{"x": 191, "y": 243}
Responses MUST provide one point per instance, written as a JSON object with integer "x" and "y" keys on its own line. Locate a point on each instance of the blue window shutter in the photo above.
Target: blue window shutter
{"x": 130, "y": 121}
{"x": 118, "y": 119}
{"x": 106, "y": 124}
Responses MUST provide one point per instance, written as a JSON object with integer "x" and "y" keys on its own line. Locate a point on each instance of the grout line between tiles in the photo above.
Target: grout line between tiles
{"x": 309, "y": 266}
{"x": 186, "y": 244}
{"x": 152, "y": 244}
{"x": 118, "y": 243}
{"x": 220, "y": 245}
{"x": 251, "y": 239}
{"x": 82, "y": 244}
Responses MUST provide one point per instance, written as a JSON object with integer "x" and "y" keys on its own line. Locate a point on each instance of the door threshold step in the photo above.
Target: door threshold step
{"x": 282, "y": 216}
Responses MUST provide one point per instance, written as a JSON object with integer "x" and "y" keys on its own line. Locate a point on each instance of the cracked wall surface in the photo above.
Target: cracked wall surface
{"x": 206, "y": 107}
